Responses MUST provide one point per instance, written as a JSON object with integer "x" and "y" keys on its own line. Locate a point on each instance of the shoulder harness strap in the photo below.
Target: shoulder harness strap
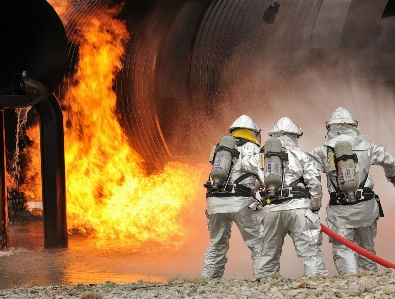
{"x": 336, "y": 186}
{"x": 362, "y": 184}
{"x": 244, "y": 176}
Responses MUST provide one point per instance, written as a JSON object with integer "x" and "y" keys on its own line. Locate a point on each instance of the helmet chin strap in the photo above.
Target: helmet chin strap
{"x": 327, "y": 133}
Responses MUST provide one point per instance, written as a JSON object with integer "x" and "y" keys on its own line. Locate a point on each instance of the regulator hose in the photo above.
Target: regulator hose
{"x": 356, "y": 248}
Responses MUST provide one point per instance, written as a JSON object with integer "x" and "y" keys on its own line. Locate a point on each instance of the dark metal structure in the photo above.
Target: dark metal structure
{"x": 34, "y": 41}
{"x": 53, "y": 172}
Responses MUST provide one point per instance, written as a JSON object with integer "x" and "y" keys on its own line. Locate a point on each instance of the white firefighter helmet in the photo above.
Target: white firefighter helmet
{"x": 341, "y": 116}
{"x": 244, "y": 127}
{"x": 285, "y": 126}
{"x": 244, "y": 122}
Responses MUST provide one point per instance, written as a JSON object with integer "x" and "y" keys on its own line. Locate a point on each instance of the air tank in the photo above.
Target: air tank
{"x": 223, "y": 160}
{"x": 346, "y": 172}
{"x": 273, "y": 165}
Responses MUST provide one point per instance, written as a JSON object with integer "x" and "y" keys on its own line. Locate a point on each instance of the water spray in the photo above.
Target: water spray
{"x": 15, "y": 170}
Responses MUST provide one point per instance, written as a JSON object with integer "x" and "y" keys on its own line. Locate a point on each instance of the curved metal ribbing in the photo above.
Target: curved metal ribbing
{"x": 74, "y": 18}
{"x": 237, "y": 56}
{"x": 187, "y": 62}
{"x": 134, "y": 89}
{"x": 147, "y": 80}
{"x": 137, "y": 105}
{"x": 234, "y": 39}
{"x": 135, "y": 82}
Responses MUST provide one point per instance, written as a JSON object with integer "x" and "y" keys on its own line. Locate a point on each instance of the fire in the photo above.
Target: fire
{"x": 109, "y": 194}
{"x": 28, "y": 181}
{"x": 31, "y": 187}
{"x": 61, "y": 7}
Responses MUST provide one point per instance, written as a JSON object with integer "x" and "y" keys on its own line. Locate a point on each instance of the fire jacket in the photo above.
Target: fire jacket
{"x": 233, "y": 204}
{"x": 363, "y": 213}
{"x": 299, "y": 166}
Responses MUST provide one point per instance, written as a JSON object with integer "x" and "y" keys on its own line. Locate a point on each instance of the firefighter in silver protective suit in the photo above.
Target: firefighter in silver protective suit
{"x": 291, "y": 205}
{"x": 230, "y": 196}
{"x": 353, "y": 208}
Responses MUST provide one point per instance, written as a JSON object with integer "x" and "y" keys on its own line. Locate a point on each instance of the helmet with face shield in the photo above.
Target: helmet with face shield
{"x": 285, "y": 126}
{"x": 244, "y": 127}
{"x": 340, "y": 117}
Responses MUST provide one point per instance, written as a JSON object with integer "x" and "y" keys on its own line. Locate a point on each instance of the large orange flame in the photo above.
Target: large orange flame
{"x": 109, "y": 194}
{"x": 32, "y": 183}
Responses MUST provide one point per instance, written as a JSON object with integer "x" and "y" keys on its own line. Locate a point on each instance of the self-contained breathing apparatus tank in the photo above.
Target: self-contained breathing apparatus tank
{"x": 273, "y": 165}
{"x": 222, "y": 156}
{"x": 346, "y": 168}
{"x": 273, "y": 168}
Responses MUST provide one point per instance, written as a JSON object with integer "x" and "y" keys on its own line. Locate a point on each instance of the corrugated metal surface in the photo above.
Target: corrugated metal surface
{"x": 188, "y": 62}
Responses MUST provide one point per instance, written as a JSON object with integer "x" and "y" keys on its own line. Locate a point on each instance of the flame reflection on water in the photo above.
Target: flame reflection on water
{"x": 27, "y": 263}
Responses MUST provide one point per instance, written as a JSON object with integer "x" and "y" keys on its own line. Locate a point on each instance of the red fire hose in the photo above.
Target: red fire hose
{"x": 356, "y": 248}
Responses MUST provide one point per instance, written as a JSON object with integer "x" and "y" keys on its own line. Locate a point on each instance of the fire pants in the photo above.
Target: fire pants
{"x": 347, "y": 260}
{"x": 219, "y": 225}
{"x": 304, "y": 228}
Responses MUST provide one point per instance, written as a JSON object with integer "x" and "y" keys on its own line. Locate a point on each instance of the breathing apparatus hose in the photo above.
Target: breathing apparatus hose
{"x": 356, "y": 248}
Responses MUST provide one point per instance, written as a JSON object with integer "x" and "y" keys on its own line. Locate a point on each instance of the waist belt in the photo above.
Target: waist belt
{"x": 286, "y": 195}
{"x": 239, "y": 191}
{"x": 269, "y": 201}
{"x": 360, "y": 196}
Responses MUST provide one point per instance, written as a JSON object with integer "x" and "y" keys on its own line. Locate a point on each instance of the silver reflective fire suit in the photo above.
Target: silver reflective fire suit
{"x": 222, "y": 211}
{"x": 356, "y": 222}
{"x": 294, "y": 216}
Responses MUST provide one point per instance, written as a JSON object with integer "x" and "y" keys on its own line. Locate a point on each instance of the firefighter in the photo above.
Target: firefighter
{"x": 291, "y": 205}
{"x": 353, "y": 208}
{"x": 230, "y": 197}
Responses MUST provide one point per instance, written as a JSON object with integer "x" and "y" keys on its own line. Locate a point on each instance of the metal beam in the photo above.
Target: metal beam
{"x": 4, "y": 239}
{"x": 53, "y": 173}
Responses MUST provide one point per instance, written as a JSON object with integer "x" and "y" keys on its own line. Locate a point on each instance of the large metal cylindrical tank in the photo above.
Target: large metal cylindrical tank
{"x": 192, "y": 66}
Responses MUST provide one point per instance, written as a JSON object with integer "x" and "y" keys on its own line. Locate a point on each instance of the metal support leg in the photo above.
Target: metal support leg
{"x": 4, "y": 239}
{"x": 53, "y": 173}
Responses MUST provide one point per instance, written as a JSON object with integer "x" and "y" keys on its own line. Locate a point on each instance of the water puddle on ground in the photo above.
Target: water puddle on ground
{"x": 26, "y": 263}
